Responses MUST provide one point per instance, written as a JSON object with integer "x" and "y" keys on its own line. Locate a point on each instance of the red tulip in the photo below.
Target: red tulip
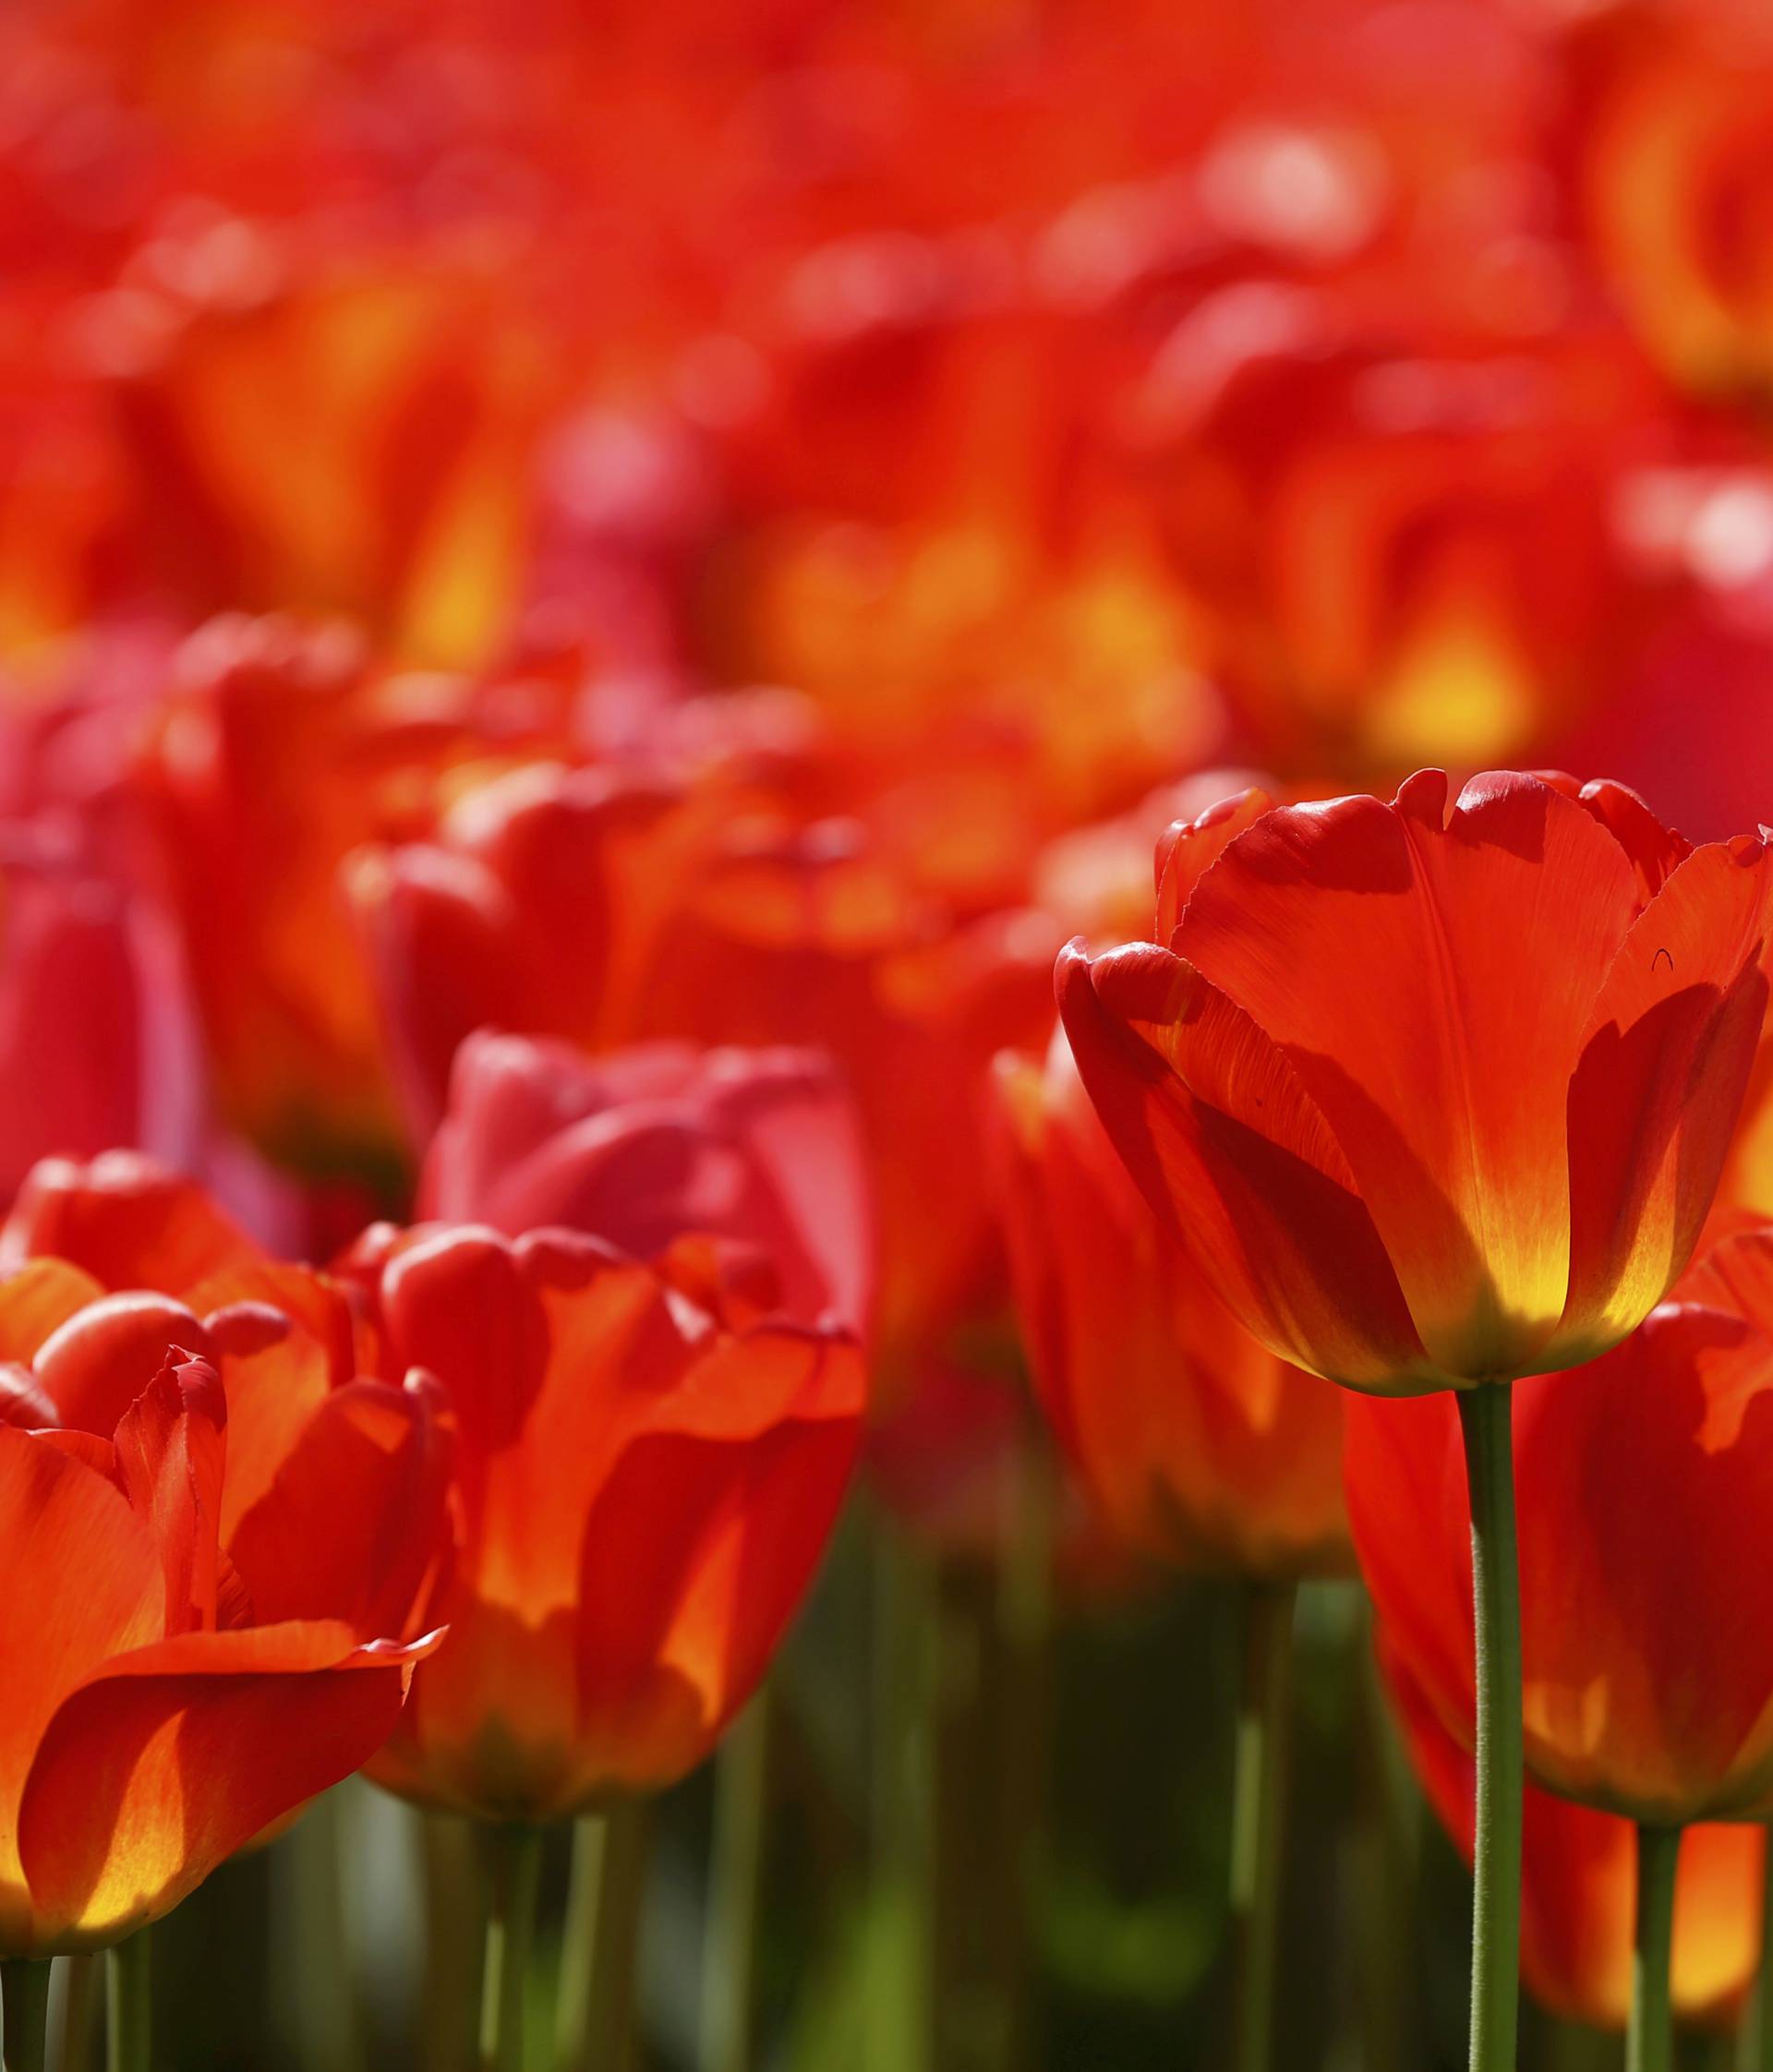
{"x": 1643, "y": 1487}
{"x": 644, "y": 1488}
{"x": 472, "y": 926}
{"x": 1578, "y": 1889}
{"x": 1373, "y": 1074}
{"x": 201, "y": 1633}
{"x": 762, "y": 1147}
{"x": 1197, "y": 1443}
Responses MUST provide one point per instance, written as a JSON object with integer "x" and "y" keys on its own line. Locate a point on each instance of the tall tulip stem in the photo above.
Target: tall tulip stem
{"x": 735, "y": 1883}
{"x": 1258, "y": 1797}
{"x": 24, "y": 2000}
{"x": 510, "y": 1935}
{"x": 594, "y": 2016}
{"x": 1484, "y": 1418}
{"x": 1649, "y": 2043}
{"x": 80, "y": 2006}
{"x": 128, "y": 2006}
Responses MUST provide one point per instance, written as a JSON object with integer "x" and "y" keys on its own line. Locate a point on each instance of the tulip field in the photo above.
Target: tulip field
{"x": 886, "y": 1046}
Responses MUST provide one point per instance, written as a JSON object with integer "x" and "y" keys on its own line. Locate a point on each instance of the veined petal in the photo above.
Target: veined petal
{"x": 171, "y": 1452}
{"x": 1239, "y": 1165}
{"x": 1653, "y": 1103}
{"x": 352, "y": 1527}
{"x": 85, "y": 1582}
{"x": 696, "y": 1554}
{"x": 1188, "y": 850}
{"x": 170, "y": 1758}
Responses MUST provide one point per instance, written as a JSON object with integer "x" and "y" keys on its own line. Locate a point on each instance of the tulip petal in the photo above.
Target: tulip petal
{"x": 1197, "y": 1444}
{"x": 85, "y": 1582}
{"x": 350, "y": 1528}
{"x": 697, "y": 1551}
{"x": 171, "y": 1447}
{"x": 458, "y": 1304}
{"x": 1188, "y": 848}
{"x": 36, "y": 1300}
{"x": 1430, "y": 980}
{"x": 171, "y": 1757}
{"x": 99, "y": 1361}
{"x": 1656, "y": 1096}
{"x": 1238, "y": 1165}
{"x": 126, "y": 1220}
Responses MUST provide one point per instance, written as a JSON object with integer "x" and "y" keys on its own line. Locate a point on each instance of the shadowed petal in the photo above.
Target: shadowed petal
{"x": 171, "y": 1757}
{"x": 1239, "y": 1165}
{"x": 84, "y": 1580}
{"x": 1657, "y": 1094}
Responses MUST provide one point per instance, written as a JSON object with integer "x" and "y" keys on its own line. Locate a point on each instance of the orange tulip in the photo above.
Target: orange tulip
{"x": 1643, "y": 1485}
{"x": 1372, "y": 1072}
{"x": 1198, "y": 1445}
{"x": 213, "y": 1617}
{"x": 645, "y": 1481}
{"x": 1578, "y": 1892}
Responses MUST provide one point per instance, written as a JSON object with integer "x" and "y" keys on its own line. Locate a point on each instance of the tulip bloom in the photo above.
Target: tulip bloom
{"x": 1198, "y": 1445}
{"x": 1643, "y": 1482}
{"x": 760, "y": 1148}
{"x": 213, "y": 1613}
{"x": 1374, "y": 1071}
{"x": 646, "y": 1482}
{"x": 1578, "y": 1886}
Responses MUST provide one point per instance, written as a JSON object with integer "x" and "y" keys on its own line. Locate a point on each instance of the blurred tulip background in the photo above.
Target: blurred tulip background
{"x": 698, "y": 1100}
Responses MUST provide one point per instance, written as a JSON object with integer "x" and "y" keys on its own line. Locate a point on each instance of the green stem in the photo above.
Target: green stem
{"x": 313, "y": 1974}
{"x": 736, "y": 1875}
{"x": 511, "y": 1936}
{"x": 128, "y": 2014}
{"x": 594, "y": 2016}
{"x": 898, "y": 1990}
{"x": 455, "y": 1940}
{"x": 1025, "y": 1622}
{"x": 24, "y": 1982}
{"x": 1758, "y": 2024}
{"x": 1259, "y": 1795}
{"x": 79, "y": 2008}
{"x": 1649, "y": 2042}
{"x": 1484, "y": 1416}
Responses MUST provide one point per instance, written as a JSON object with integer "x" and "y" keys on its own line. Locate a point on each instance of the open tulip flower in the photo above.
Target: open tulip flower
{"x": 1373, "y": 1068}
{"x": 214, "y": 1590}
{"x": 648, "y": 1466}
{"x": 1438, "y": 1095}
{"x": 1578, "y": 1886}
